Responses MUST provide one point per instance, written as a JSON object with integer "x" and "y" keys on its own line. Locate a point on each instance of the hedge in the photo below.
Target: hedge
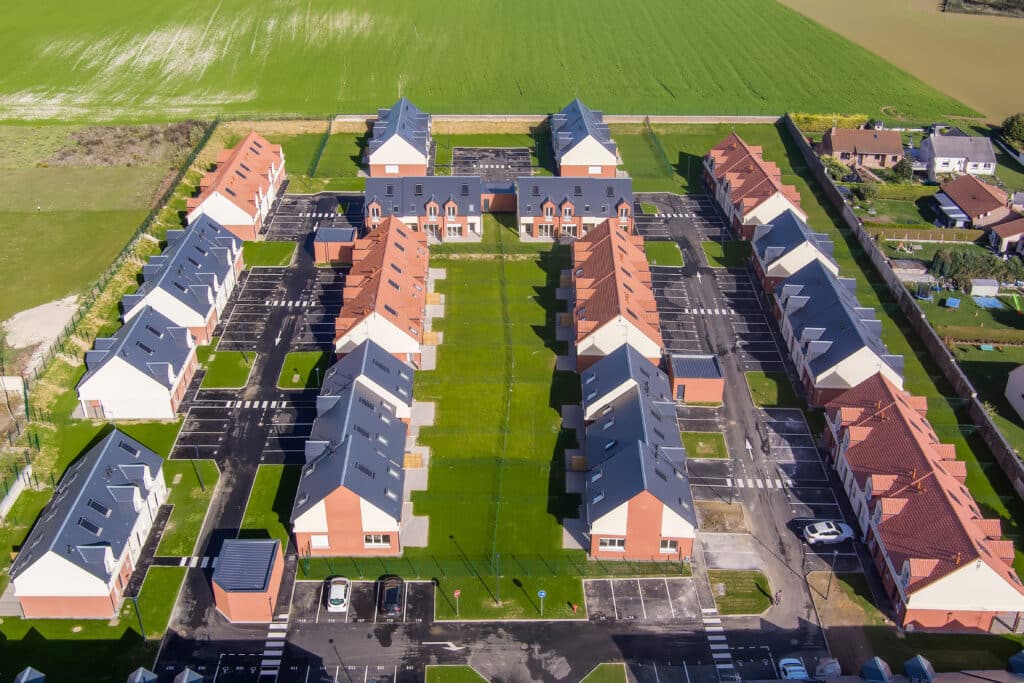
{"x": 904, "y": 191}
{"x": 819, "y": 123}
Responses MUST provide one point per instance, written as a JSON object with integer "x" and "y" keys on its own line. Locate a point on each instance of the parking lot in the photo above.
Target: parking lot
{"x": 294, "y": 216}
{"x": 668, "y": 599}
{"x": 492, "y": 164}
{"x": 245, "y": 668}
{"x": 756, "y": 343}
{"x": 308, "y": 604}
{"x": 678, "y": 321}
{"x": 696, "y": 215}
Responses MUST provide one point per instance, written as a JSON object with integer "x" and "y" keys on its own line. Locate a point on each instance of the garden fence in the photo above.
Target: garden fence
{"x": 656, "y": 144}
{"x": 13, "y": 480}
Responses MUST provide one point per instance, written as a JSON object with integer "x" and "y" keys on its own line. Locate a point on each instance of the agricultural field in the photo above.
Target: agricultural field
{"x": 234, "y": 58}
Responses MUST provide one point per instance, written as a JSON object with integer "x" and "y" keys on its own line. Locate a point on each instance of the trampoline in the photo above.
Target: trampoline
{"x": 988, "y": 302}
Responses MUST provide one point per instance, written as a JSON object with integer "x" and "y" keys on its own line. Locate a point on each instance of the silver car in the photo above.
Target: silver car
{"x": 792, "y": 669}
{"x": 827, "y": 532}
{"x": 337, "y": 595}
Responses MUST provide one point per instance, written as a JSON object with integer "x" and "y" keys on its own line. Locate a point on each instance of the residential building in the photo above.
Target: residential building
{"x": 142, "y": 675}
{"x": 332, "y": 244}
{"x": 446, "y": 208}
{"x": 696, "y": 378}
{"x": 957, "y": 154}
{"x": 30, "y": 675}
{"x": 967, "y": 202}
{"x": 1005, "y": 237}
{"x": 385, "y": 292}
{"x": 550, "y": 208}
{"x": 582, "y": 143}
{"x": 863, "y": 146}
{"x": 79, "y": 556}
{"x": 240, "y": 191}
{"x": 191, "y": 281}
{"x": 247, "y": 578}
{"x": 614, "y": 305}
{"x": 349, "y": 500}
{"x": 943, "y": 565}
{"x": 372, "y": 367}
{"x": 834, "y": 342}
{"x": 747, "y": 188}
{"x": 638, "y": 500}
{"x": 786, "y": 244}
{"x": 623, "y": 369}
{"x": 141, "y": 373}
{"x": 400, "y": 142}
{"x": 1015, "y": 390}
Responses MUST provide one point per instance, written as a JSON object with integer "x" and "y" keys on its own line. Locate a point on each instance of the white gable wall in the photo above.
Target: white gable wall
{"x": 375, "y": 519}
{"x": 973, "y": 587}
{"x": 594, "y": 409}
{"x": 614, "y": 334}
{"x": 221, "y": 209}
{"x": 381, "y": 330}
{"x": 856, "y": 368}
{"x": 126, "y": 393}
{"x": 589, "y": 152}
{"x": 397, "y": 151}
{"x": 769, "y": 209}
{"x": 674, "y": 526}
{"x": 53, "y": 575}
{"x": 792, "y": 261}
{"x": 613, "y": 523}
{"x": 313, "y": 520}
{"x": 1015, "y": 390}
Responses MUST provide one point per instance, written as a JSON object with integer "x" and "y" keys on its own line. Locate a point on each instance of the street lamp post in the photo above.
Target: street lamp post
{"x": 835, "y": 558}
{"x": 497, "y": 578}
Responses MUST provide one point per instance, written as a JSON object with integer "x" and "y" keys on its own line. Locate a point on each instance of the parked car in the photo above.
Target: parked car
{"x": 389, "y": 596}
{"x": 827, "y": 532}
{"x": 792, "y": 669}
{"x": 338, "y": 590}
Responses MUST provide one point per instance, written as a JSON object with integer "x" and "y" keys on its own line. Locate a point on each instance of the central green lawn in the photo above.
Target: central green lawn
{"x": 359, "y": 56}
{"x": 733, "y": 254}
{"x": 228, "y": 369}
{"x": 746, "y": 592}
{"x": 663, "y": 253}
{"x": 772, "y": 389}
{"x": 257, "y": 254}
{"x": 268, "y": 512}
{"x": 704, "y": 445}
{"x": 309, "y": 366}
{"x": 607, "y": 673}
{"x": 190, "y": 497}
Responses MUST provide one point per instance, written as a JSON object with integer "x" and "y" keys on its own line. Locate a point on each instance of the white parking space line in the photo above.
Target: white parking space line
{"x": 614, "y": 606}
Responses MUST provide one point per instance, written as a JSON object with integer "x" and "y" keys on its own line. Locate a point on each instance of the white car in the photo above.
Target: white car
{"x": 792, "y": 669}
{"x": 337, "y": 595}
{"x": 827, "y": 532}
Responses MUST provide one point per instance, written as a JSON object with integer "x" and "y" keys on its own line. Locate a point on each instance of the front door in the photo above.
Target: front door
{"x": 433, "y": 231}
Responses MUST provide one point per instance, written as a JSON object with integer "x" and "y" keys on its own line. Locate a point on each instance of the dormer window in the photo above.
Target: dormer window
{"x": 451, "y": 210}
{"x": 375, "y": 211}
{"x": 417, "y": 190}
{"x": 389, "y": 190}
{"x": 567, "y": 212}
{"x": 577, "y": 191}
{"x": 623, "y": 213}
{"x": 549, "y": 211}
{"x": 432, "y": 210}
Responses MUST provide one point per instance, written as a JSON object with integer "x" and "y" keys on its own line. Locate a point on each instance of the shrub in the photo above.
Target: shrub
{"x": 908, "y": 192}
{"x": 835, "y": 168}
{"x": 1013, "y": 128}
{"x": 904, "y": 169}
{"x": 963, "y": 266}
{"x": 867, "y": 191}
{"x": 819, "y": 123}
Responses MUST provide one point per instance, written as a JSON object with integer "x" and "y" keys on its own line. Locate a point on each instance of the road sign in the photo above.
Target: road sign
{"x": 458, "y": 592}
{"x": 542, "y": 594}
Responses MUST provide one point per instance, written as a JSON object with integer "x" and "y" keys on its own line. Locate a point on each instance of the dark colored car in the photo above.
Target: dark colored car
{"x": 389, "y": 596}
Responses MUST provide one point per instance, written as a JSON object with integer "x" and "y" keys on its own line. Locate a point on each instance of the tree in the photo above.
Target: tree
{"x": 868, "y": 191}
{"x": 904, "y": 169}
{"x": 1013, "y": 128}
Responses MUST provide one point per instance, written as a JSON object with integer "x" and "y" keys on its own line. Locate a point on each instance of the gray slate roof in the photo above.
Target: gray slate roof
{"x": 371, "y": 361}
{"x": 624, "y": 364}
{"x": 976, "y": 150}
{"x": 575, "y": 123}
{"x": 330, "y": 233}
{"x": 410, "y": 195}
{"x": 828, "y": 321}
{"x": 695, "y": 366}
{"x": 196, "y": 260}
{"x": 629, "y": 418}
{"x": 405, "y": 120}
{"x": 359, "y": 444}
{"x": 597, "y": 197}
{"x": 142, "y": 675}
{"x": 93, "y": 506}
{"x": 784, "y": 233}
{"x": 245, "y": 564}
{"x": 30, "y": 675}
{"x": 148, "y": 342}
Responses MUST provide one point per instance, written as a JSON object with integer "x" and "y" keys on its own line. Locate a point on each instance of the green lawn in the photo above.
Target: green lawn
{"x": 342, "y": 156}
{"x": 969, "y": 316}
{"x": 606, "y": 673}
{"x": 927, "y": 250}
{"x": 258, "y": 254}
{"x": 299, "y": 149}
{"x": 640, "y": 158}
{"x": 649, "y": 209}
{"x": 304, "y": 369}
{"x": 228, "y": 369}
{"x": 746, "y": 592}
{"x": 496, "y": 226}
{"x": 268, "y": 512}
{"x": 663, "y": 253}
{"x": 156, "y": 599}
{"x": 453, "y": 673}
{"x": 704, "y": 445}
{"x": 190, "y": 496}
{"x": 446, "y": 143}
{"x": 732, "y": 254}
{"x": 899, "y": 211}
{"x": 772, "y": 389}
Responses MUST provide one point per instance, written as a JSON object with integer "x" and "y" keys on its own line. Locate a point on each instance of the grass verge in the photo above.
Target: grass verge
{"x": 228, "y": 369}
{"x": 267, "y": 254}
{"x": 191, "y": 484}
{"x": 268, "y": 512}
{"x": 606, "y": 673}
{"x": 731, "y": 254}
{"x": 740, "y": 592}
{"x": 704, "y": 445}
{"x": 663, "y": 253}
{"x": 772, "y": 389}
{"x": 304, "y": 369}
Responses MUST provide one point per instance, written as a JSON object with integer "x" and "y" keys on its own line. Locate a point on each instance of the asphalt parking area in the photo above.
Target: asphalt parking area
{"x": 295, "y": 216}
{"x": 685, "y": 672}
{"x": 756, "y": 343}
{"x": 697, "y": 215}
{"x": 308, "y": 606}
{"x": 492, "y": 164}
{"x": 669, "y": 599}
{"x": 678, "y": 322}
{"x": 203, "y": 432}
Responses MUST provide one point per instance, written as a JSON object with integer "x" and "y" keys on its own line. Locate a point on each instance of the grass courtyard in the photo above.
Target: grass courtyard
{"x": 304, "y": 369}
{"x": 228, "y": 369}
{"x": 272, "y": 254}
{"x": 268, "y": 511}
{"x": 733, "y": 254}
{"x": 740, "y": 591}
{"x": 772, "y": 389}
{"x": 663, "y": 253}
{"x": 704, "y": 445}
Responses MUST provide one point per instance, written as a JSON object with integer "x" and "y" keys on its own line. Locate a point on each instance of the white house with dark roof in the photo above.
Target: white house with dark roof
{"x": 141, "y": 373}
{"x": 582, "y": 143}
{"x": 372, "y": 367}
{"x": 191, "y": 281}
{"x": 956, "y": 154}
{"x": 79, "y": 556}
{"x": 784, "y": 245}
{"x": 446, "y": 208}
{"x": 400, "y": 141}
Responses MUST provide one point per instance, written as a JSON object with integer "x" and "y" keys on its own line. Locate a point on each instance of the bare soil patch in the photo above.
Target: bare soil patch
{"x": 720, "y": 517}
{"x": 443, "y": 126}
{"x": 31, "y": 332}
{"x": 277, "y": 127}
{"x": 149, "y": 145}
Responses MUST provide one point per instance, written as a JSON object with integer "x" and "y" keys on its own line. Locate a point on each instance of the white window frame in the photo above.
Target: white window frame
{"x": 624, "y": 213}
{"x": 567, "y": 213}
{"x": 391, "y": 168}
{"x": 376, "y": 540}
{"x": 374, "y": 211}
{"x": 669, "y": 546}
{"x": 594, "y": 170}
{"x": 453, "y": 230}
{"x": 319, "y": 541}
{"x": 452, "y": 211}
{"x": 617, "y": 545}
{"x": 549, "y": 212}
{"x": 432, "y": 211}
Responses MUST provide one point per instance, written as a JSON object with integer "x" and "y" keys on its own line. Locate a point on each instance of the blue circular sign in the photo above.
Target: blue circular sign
{"x": 542, "y": 594}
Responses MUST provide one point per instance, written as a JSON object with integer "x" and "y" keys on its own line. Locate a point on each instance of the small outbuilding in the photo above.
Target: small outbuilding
{"x": 30, "y": 675}
{"x": 696, "y": 378}
{"x": 333, "y": 244}
{"x": 142, "y": 675}
{"x": 984, "y": 288}
{"x": 247, "y": 579}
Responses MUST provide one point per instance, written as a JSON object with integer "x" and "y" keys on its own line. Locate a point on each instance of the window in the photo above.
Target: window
{"x": 567, "y": 212}
{"x": 669, "y": 546}
{"x": 99, "y": 507}
{"x": 609, "y": 191}
{"x": 377, "y": 540}
{"x": 594, "y": 170}
{"x": 609, "y": 423}
{"x": 374, "y": 211}
{"x": 598, "y": 473}
{"x": 535, "y": 191}
{"x": 128, "y": 448}
{"x": 598, "y": 498}
{"x": 89, "y": 526}
{"x": 389, "y": 190}
{"x": 396, "y": 269}
{"x": 577, "y": 191}
{"x": 144, "y": 348}
{"x": 451, "y": 209}
{"x": 590, "y": 378}
{"x": 321, "y": 542}
{"x": 394, "y": 284}
{"x": 623, "y": 213}
{"x": 610, "y": 444}
{"x": 432, "y": 210}
{"x": 617, "y": 544}
{"x": 549, "y": 211}
{"x": 417, "y": 190}
{"x": 390, "y": 310}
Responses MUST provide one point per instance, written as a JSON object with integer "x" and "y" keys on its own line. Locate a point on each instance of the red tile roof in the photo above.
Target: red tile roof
{"x": 862, "y": 141}
{"x": 752, "y": 180}
{"x": 240, "y": 173}
{"x": 974, "y": 196}
{"x": 1009, "y": 228}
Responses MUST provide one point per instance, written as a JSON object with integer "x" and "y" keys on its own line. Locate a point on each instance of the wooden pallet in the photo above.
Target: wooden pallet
{"x": 565, "y": 280}
{"x": 430, "y": 338}
{"x": 412, "y": 461}
{"x": 433, "y": 299}
{"x": 564, "y": 320}
{"x": 578, "y": 463}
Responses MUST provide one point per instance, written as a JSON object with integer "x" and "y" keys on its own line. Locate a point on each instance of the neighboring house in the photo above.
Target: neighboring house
{"x": 863, "y": 146}
{"x": 400, "y": 142}
{"x": 943, "y": 565}
{"x": 333, "y": 244}
{"x": 79, "y": 556}
{"x": 582, "y": 143}
{"x": 349, "y": 500}
{"x": 786, "y": 244}
{"x": 247, "y": 578}
{"x": 623, "y": 369}
{"x": 446, "y": 208}
{"x": 614, "y": 305}
{"x": 1005, "y": 237}
{"x": 696, "y": 378}
{"x": 967, "y": 202}
{"x": 638, "y": 500}
{"x": 141, "y": 373}
{"x": 957, "y": 154}
{"x": 385, "y": 292}
{"x": 191, "y": 281}
{"x": 834, "y": 342}
{"x": 747, "y": 188}
{"x": 550, "y": 208}
{"x": 240, "y": 191}
{"x": 1015, "y": 390}
{"x": 371, "y": 366}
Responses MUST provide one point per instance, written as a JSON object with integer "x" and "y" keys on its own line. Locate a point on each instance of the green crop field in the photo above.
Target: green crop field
{"x": 169, "y": 60}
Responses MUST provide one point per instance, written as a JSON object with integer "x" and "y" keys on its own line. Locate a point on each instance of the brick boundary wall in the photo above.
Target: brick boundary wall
{"x": 1004, "y": 453}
